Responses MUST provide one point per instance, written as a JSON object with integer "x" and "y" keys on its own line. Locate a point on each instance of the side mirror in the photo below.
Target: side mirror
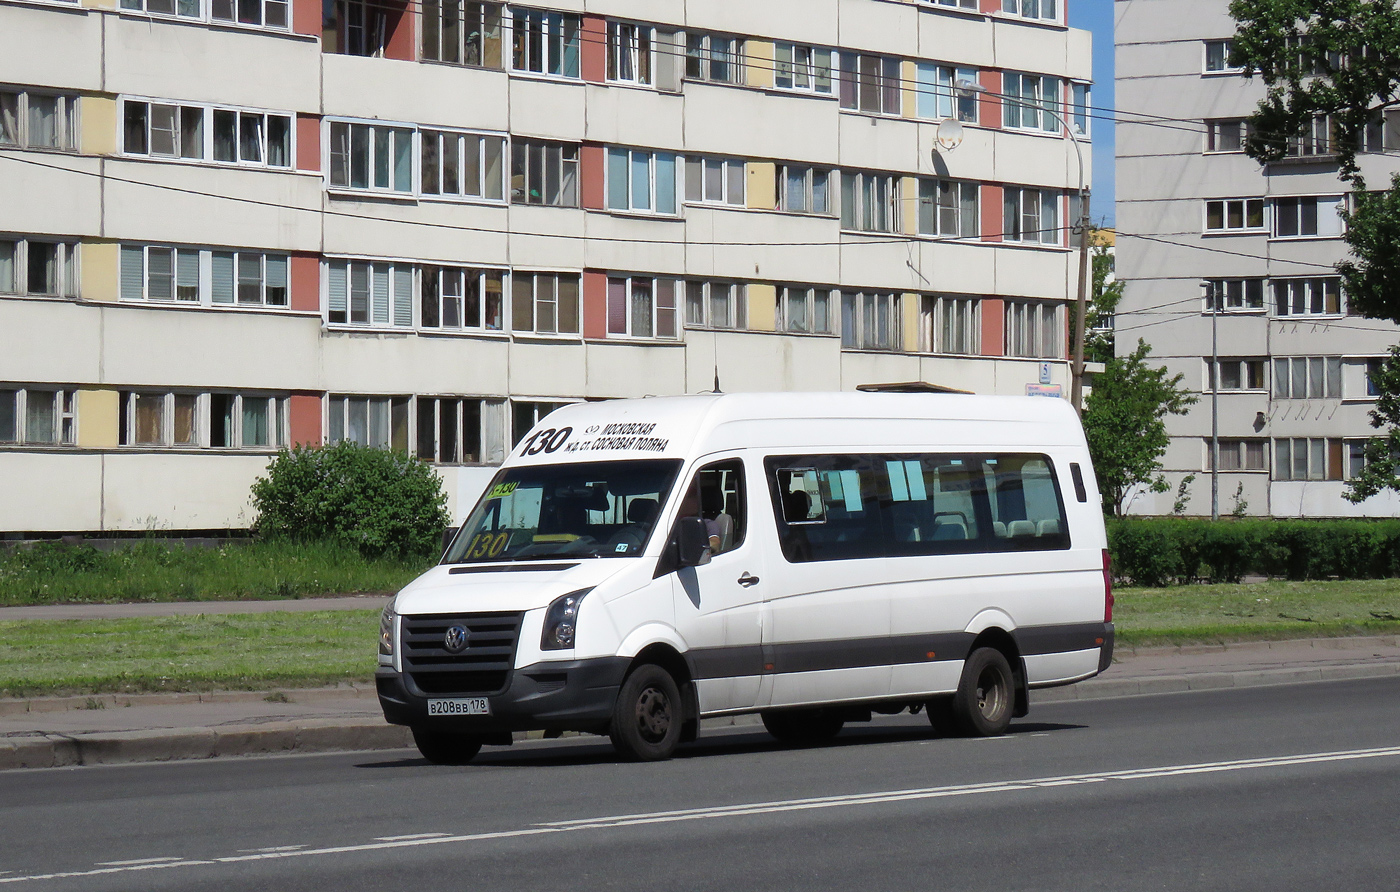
{"x": 691, "y": 541}
{"x": 447, "y": 536}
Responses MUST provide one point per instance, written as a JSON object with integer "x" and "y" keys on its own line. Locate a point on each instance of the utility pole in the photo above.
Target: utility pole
{"x": 1081, "y": 307}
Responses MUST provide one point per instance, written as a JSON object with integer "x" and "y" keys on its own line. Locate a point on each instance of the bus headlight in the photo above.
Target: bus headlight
{"x": 386, "y": 629}
{"x": 561, "y": 621}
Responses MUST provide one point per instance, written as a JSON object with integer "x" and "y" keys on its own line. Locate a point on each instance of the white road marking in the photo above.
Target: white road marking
{"x": 272, "y": 849}
{"x": 753, "y": 808}
{"x": 410, "y": 836}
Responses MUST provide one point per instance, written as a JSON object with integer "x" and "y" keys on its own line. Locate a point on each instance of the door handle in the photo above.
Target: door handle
{"x": 747, "y": 580}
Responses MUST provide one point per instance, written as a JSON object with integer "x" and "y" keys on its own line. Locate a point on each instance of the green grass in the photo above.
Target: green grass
{"x": 149, "y": 571}
{"x": 1279, "y": 609}
{"x": 187, "y": 653}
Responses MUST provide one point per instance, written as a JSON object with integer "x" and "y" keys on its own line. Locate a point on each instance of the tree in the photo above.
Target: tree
{"x": 1103, "y": 303}
{"x": 1123, "y": 421}
{"x": 1382, "y": 468}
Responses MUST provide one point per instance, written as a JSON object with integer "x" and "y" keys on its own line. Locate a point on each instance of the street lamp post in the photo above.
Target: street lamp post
{"x": 967, "y": 87}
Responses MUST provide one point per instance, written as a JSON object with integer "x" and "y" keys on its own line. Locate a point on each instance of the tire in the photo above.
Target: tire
{"x": 648, "y": 717}
{"x": 445, "y": 747}
{"x": 940, "y": 716}
{"x": 803, "y": 727}
{"x": 986, "y": 695}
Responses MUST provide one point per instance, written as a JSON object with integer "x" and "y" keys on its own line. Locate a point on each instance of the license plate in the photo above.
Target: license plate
{"x": 460, "y": 706}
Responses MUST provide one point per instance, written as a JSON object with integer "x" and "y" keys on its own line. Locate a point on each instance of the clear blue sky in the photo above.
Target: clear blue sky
{"x": 1097, "y": 16}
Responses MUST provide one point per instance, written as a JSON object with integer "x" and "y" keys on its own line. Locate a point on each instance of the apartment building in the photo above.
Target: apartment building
{"x": 1196, "y": 216}
{"x": 229, "y": 226}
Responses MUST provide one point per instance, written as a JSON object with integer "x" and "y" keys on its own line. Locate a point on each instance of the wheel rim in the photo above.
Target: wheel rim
{"x": 653, "y": 715}
{"x": 991, "y": 693}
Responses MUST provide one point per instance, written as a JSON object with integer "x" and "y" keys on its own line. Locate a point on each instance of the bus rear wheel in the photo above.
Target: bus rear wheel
{"x": 986, "y": 695}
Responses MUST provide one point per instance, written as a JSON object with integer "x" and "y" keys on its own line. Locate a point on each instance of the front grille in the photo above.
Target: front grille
{"x": 483, "y": 668}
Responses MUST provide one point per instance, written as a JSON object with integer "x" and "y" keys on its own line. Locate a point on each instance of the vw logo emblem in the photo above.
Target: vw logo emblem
{"x": 455, "y": 639}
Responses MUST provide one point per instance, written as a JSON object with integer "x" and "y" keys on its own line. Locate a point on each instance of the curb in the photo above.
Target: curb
{"x": 117, "y": 701}
{"x": 340, "y": 735}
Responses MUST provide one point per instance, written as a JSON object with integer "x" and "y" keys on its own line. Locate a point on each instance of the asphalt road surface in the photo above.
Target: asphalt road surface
{"x": 1281, "y": 788}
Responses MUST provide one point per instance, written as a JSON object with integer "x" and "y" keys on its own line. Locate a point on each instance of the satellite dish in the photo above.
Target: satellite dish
{"x": 950, "y": 134}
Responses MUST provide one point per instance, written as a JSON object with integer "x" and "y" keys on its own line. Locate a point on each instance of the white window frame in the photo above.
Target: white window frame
{"x": 365, "y": 33}
{"x": 938, "y": 217}
{"x": 545, "y": 293}
{"x": 439, "y": 277}
{"x": 491, "y": 184}
{"x": 870, "y": 202}
{"x": 661, "y": 318}
{"x": 128, "y": 402}
{"x": 1241, "y": 369}
{"x": 1034, "y": 329}
{"x": 553, "y": 38}
{"x": 804, "y": 69}
{"x": 801, "y": 309}
{"x": 1216, "y": 132}
{"x": 1243, "y": 295}
{"x": 1314, "y": 454}
{"x": 703, "y": 51}
{"x": 272, "y": 15}
{"x": 657, "y": 187}
{"x": 428, "y": 421}
{"x": 487, "y": 25}
{"x": 1238, "y": 449}
{"x": 811, "y": 182}
{"x": 939, "y": 96}
{"x": 1326, "y": 220}
{"x": 15, "y": 267}
{"x": 969, "y": 5}
{"x": 1209, "y": 55}
{"x": 545, "y": 168}
{"x": 387, "y": 300}
{"x": 376, "y": 132}
{"x": 1030, "y": 102}
{"x": 1036, "y": 10}
{"x": 1318, "y": 377}
{"x": 17, "y": 398}
{"x": 631, "y": 49}
{"x": 871, "y": 321}
{"x": 700, "y": 188}
{"x": 272, "y": 280}
{"x": 1227, "y": 206}
{"x": 716, "y": 305}
{"x": 16, "y": 125}
{"x": 1022, "y": 206}
{"x": 1301, "y": 296}
{"x": 857, "y": 86}
{"x": 339, "y": 420}
{"x": 950, "y": 324}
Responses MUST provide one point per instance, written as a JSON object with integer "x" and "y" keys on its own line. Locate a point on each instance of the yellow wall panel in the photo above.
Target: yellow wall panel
{"x": 98, "y": 124}
{"x": 909, "y": 74}
{"x": 762, "y": 175}
{"x": 99, "y": 274}
{"x": 763, "y": 305}
{"x": 909, "y": 201}
{"x": 760, "y": 67}
{"x": 910, "y": 311}
{"x": 97, "y": 418}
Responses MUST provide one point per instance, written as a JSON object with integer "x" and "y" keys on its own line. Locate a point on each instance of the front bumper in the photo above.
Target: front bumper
{"x": 574, "y": 695}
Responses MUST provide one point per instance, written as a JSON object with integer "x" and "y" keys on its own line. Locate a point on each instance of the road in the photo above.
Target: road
{"x": 1281, "y": 788}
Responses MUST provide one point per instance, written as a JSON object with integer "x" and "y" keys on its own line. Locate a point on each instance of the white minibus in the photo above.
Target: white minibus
{"x": 815, "y": 558}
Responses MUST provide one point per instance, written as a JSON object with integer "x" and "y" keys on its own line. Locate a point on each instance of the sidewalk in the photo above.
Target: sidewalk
{"x": 53, "y": 732}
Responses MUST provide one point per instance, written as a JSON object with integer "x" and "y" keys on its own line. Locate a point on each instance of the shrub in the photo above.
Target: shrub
{"x": 1159, "y": 551}
{"x": 384, "y": 503}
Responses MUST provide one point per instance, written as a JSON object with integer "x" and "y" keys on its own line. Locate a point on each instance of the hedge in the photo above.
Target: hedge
{"x": 1161, "y": 551}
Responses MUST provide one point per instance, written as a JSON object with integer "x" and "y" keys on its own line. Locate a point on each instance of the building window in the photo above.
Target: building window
{"x": 462, "y": 32}
{"x": 1316, "y": 140}
{"x": 948, "y": 208}
{"x": 715, "y": 181}
{"x": 377, "y": 421}
{"x": 1301, "y": 458}
{"x": 1029, "y": 100}
{"x": 37, "y": 267}
{"x": 544, "y": 303}
{"x": 1218, "y": 56}
{"x": 449, "y": 429}
{"x": 1237, "y": 374}
{"x": 1030, "y": 9}
{"x": 261, "y": 13}
{"x": 206, "y": 133}
{"x": 957, "y": 4}
{"x": 37, "y": 416}
{"x": 1239, "y": 455}
{"x": 524, "y": 415}
{"x": 1234, "y": 214}
{"x": 869, "y": 202}
{"x": 363, "y": 292}
{"x": 1308, "y": 297}
{"x": 802, "y": 190}
{"x": 949, "y": 325}
{"x": 1034, "y": 329}
{"x": 355, "y": 27}
{"x": 1226, "y": 135}
{"x": 870, "y": 321}
{"x": 1374, "y": 368}
{"x": 1307, "y": 378}
{"x": 641, "y": 307}
{"x": 544, "y": 173}
{"x": 1079, "y": 108}
{"x": 940, "y": 93}
{"x": 1031, "y": 215}
{"x": 376, "y": 157}
{"x": 629, "y": 53}
{"x": 159, "y": 419}
{"x": 1235, "y": 295}
{"x": 804, "y": 68}
{"x": 641, "y": 181}
{"x": 462, "y": 165}
{"x": 203, "y": 276}
{"x": 714, "y": 58}
{"x": 30, "y": 120}
{"x": 805, "y": 310}
{"x": 870, "y": 83}
{"x": 1313, "y": 215}
{"x": 545, "y": 42}
{"x": 187, "y": 9}
{"x": 462, "y": 299}
{"x": 1356, "y": 458}
{"x": 715, "y": 305}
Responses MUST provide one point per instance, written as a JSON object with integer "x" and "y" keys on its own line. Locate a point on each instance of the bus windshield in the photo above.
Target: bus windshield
{"x": 597, "y": 509}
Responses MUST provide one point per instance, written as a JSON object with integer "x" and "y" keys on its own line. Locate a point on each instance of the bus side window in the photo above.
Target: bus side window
{"x": 801, "y": 495}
